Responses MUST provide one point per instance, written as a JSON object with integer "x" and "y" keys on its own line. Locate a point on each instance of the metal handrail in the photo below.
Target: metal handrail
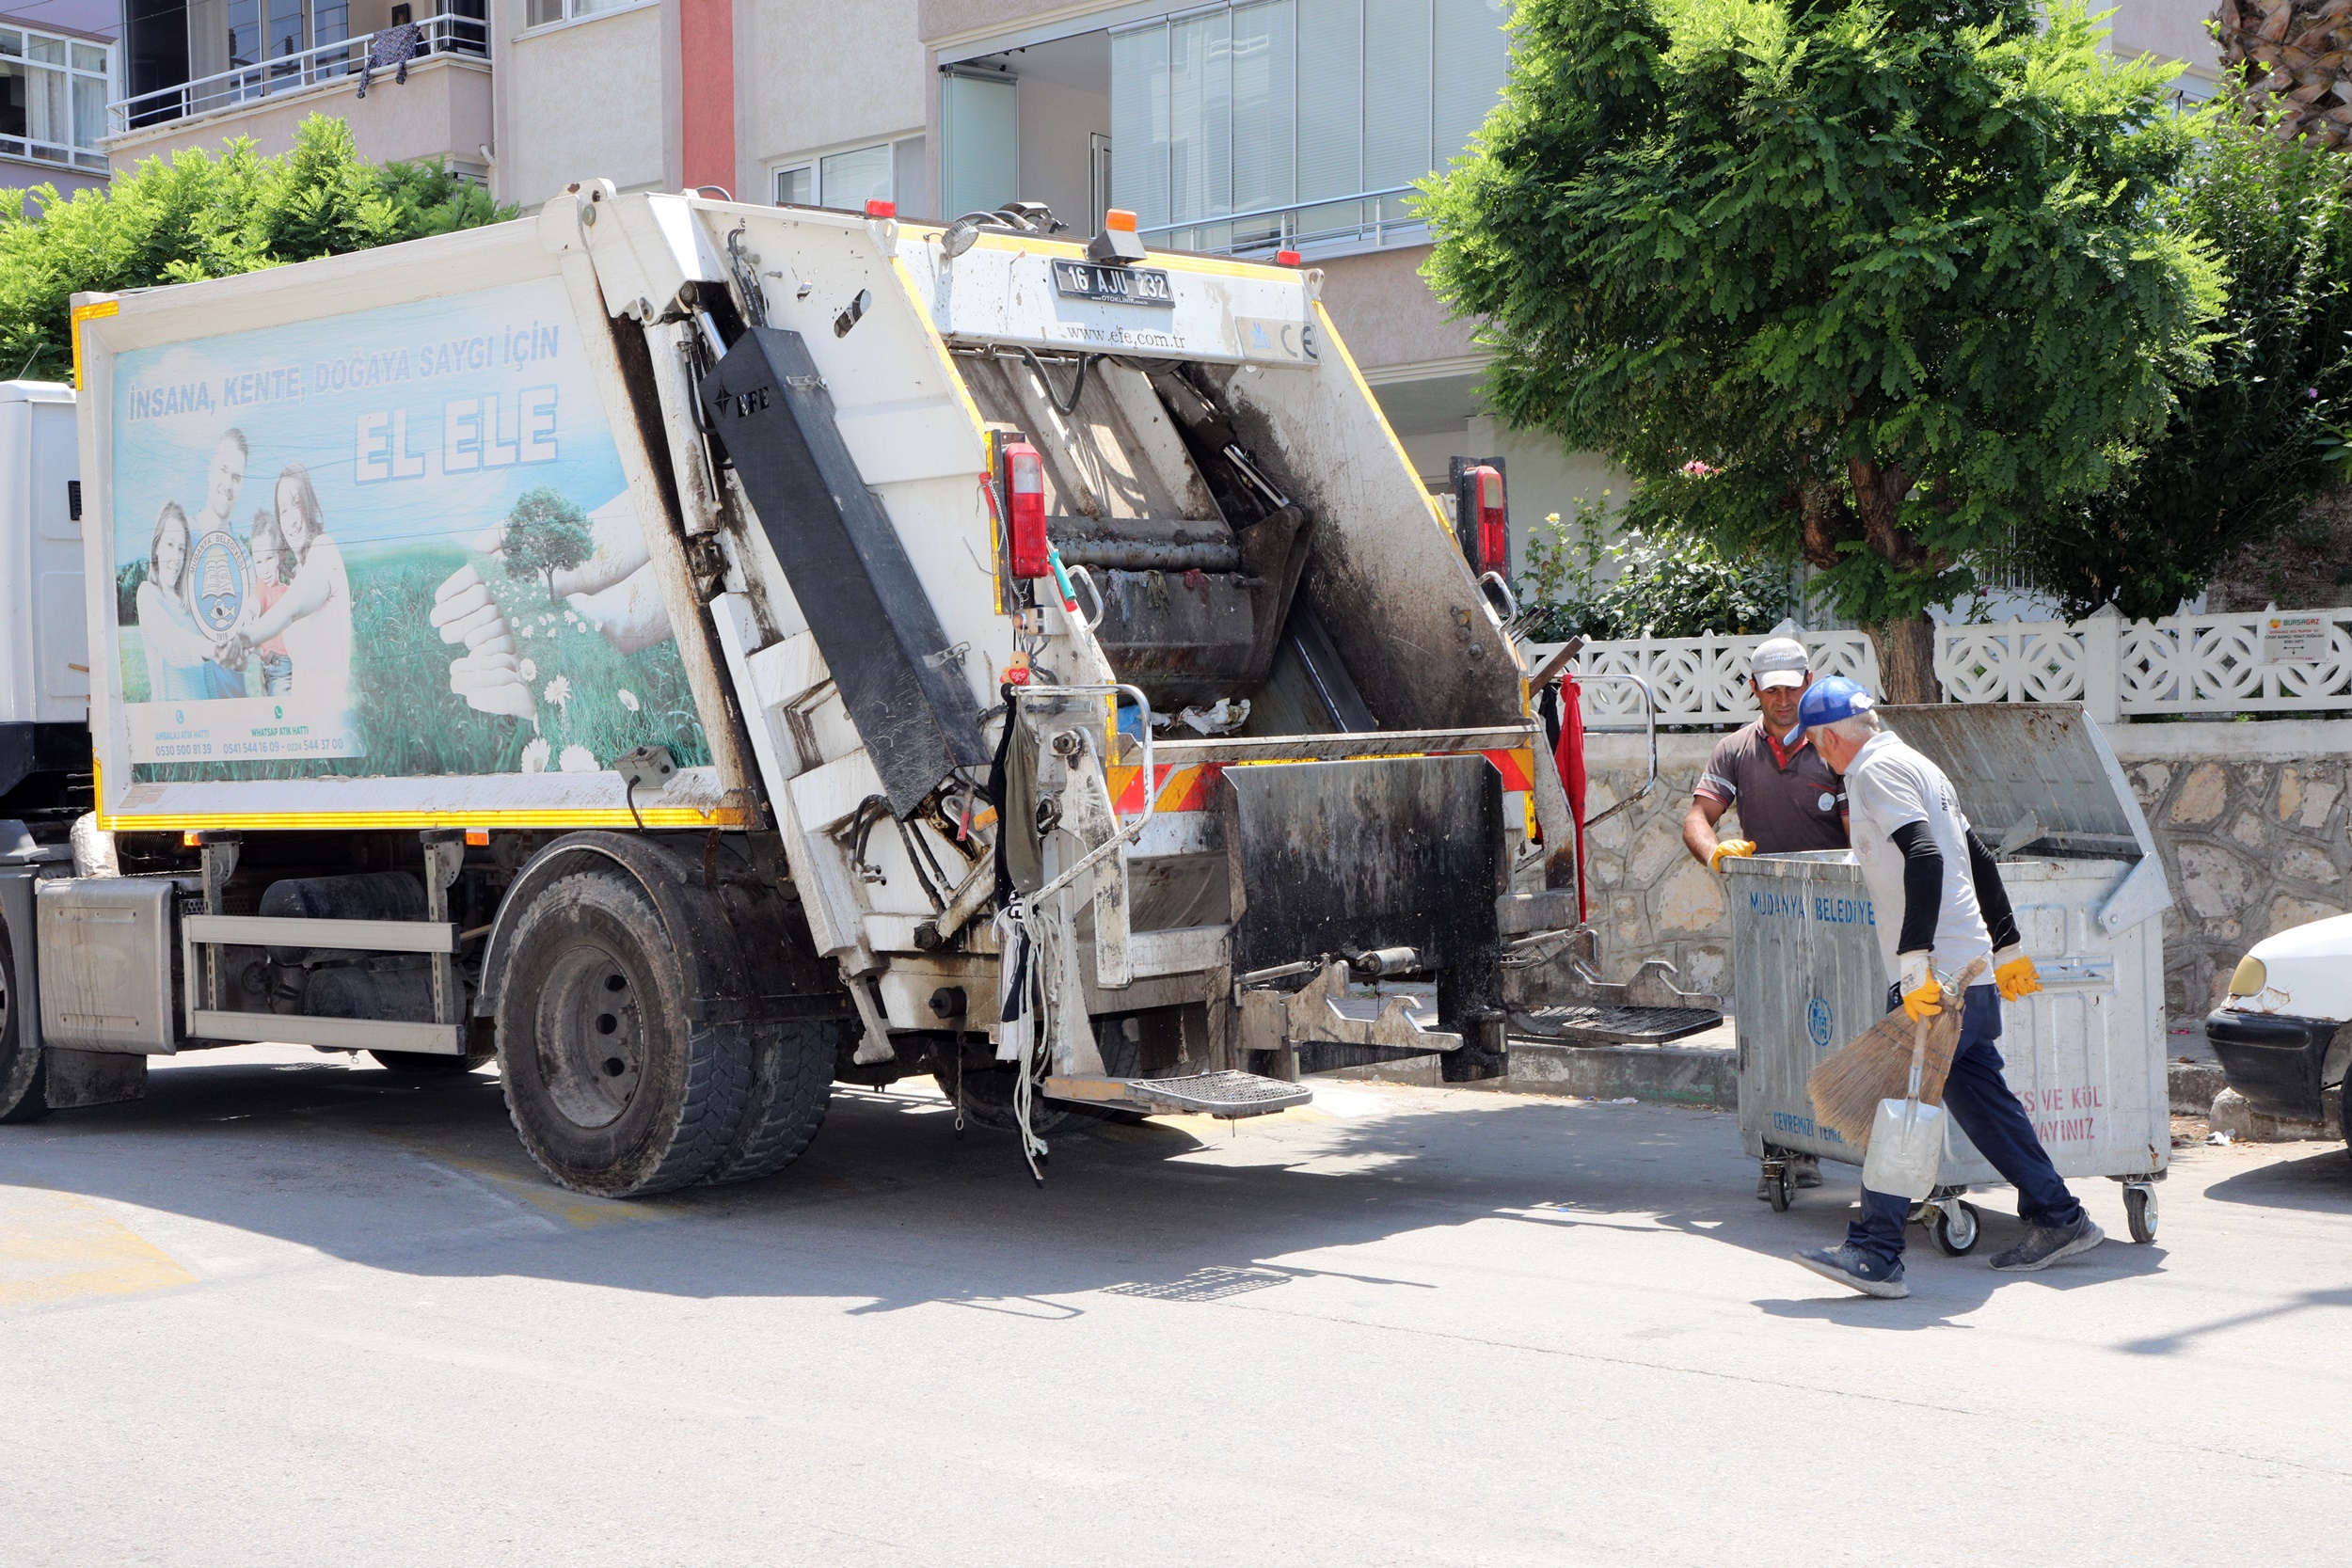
{"x": 1213, "y": 219}
{"x": 1150, "y": 779}
{"x": 1650, "y": 708}
{"x": 322, "y": 63}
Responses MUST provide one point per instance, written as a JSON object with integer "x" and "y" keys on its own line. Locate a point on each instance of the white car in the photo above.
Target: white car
{"x": 2284, "y": 1035}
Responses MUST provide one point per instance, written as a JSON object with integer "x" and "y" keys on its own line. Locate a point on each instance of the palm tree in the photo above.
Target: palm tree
{"x": 2299, "y": 56}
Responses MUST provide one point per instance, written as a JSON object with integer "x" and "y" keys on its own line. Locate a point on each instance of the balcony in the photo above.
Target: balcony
{"x": 1373, "y": 220}
{"x": 441, "y": 112}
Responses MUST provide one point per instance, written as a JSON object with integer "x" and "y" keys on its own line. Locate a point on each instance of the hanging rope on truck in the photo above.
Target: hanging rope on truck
{"x": 1022, "y": 1018}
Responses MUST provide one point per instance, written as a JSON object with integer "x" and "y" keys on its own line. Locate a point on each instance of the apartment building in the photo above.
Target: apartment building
{"x": 1242, "y": 126}
{"x": 56, "y": 73}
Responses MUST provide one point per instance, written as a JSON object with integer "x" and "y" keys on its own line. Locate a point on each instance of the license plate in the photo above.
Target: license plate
{"x": 1116, "y": 285}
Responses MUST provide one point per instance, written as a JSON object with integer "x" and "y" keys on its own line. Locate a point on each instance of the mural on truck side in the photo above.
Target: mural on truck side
{"x": 393, "y": 542}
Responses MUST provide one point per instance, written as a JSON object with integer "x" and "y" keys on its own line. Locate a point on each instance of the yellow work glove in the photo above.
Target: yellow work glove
{"x": 1730, "y": 847}
{"x": 2014, "y": 973}
{"x": 1922, "y": 997}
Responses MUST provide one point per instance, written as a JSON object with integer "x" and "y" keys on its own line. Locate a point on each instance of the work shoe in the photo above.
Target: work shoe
{"x": 2045, "y": 1244}
{"x": 1857, "y": 1270}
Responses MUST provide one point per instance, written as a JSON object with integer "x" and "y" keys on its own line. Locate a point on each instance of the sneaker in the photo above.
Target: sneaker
{"x": 1857, "y": 1270}
{"x": 2045, "y": 1244}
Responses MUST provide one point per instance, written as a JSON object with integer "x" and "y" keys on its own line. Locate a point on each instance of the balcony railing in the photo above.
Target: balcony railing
{"x": 1368, "y": 218}
{"x": 244, "y": 86}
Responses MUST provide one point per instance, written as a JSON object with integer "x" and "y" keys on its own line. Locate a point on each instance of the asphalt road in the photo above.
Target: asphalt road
{"x": 292, "y": 1311}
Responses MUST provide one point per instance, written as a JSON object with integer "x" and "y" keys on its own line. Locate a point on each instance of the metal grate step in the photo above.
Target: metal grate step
{"x": 1578, "y": 1025}
{"x": 1198, "y": 1094}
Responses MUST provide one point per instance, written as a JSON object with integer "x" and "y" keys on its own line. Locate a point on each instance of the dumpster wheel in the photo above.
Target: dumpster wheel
{"x": 1954, "y": 1227}
{"x": 2139, "y": 1212}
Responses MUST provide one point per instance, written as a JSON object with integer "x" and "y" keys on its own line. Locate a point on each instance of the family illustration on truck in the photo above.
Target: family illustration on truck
{"x": 220, "y": 619}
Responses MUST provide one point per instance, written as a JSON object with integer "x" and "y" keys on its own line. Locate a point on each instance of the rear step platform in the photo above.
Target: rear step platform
{"x": 1197, "y": 1094}
{"x": 1583, "y": 1025}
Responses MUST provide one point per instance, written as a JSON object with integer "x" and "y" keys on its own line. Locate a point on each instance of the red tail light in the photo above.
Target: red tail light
{"x": 1025, "y": 498}
{"x": 877, "y": 208}
{"x": 1493, "y": 551}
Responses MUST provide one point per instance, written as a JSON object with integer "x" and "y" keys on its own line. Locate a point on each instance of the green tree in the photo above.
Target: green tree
{"x": 545, "y": 533}
{"x": 2246, "y": 450}
{"x": 198, "y": 215}
{"x": 1580, "y": 583}
{"x": 1892, "y": 273}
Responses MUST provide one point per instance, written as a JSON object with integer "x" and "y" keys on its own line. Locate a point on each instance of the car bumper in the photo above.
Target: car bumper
{"x": 2273, "y": 1060}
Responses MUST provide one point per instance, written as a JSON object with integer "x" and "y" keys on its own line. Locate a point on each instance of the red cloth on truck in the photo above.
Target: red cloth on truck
{"x": 1569, "y": 757}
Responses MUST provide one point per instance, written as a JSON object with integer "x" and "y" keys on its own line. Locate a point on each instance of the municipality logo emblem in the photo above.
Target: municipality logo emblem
{"x": 1817, "y": 1023}
{"x": 223, "y": 576}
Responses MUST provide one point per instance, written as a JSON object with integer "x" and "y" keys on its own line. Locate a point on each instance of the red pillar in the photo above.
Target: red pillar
{"x": 707, "y": 112}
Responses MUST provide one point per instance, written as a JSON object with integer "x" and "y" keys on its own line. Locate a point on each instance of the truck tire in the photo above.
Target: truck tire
{"x": 988, "y": 1103}
{"x": 792, "y": 1089}
{"x": 24, "y": 1078}
{"x": 614, "y": 1088}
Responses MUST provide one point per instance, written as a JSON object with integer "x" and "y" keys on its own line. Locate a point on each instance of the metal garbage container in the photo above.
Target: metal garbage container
{"x": 2085, "y": 1055}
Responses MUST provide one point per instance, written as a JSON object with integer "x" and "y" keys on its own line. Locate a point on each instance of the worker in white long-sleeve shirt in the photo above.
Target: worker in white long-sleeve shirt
{"x": 1918, "y": 854}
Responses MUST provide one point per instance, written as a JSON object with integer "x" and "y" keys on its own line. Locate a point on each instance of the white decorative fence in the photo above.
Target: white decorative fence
{"x": 2271, "y": 661}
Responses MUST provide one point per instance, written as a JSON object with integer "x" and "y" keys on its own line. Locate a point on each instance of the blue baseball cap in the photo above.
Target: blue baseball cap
{"x": 1825, "y": 702}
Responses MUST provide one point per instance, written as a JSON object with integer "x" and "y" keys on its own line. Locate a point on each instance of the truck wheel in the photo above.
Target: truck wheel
{"x": 613, "y": 1088}
{"x": 23, "y": 1080}
{"x": 988, "y": 1101}
{"x": 791, "y": 1088}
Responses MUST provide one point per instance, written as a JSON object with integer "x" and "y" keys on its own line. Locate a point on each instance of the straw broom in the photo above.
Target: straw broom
{"x": 1875, "y": 1065}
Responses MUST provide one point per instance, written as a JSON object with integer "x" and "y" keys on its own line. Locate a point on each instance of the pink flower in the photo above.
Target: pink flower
{"x": 1696, "y": 469}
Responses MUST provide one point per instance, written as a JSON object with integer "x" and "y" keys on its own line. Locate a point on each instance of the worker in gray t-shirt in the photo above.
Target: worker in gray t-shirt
{"x": 1788, "y": 800}
{"x": 1940, "y": 905}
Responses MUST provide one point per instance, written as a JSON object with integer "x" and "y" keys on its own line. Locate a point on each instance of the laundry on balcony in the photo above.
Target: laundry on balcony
{"x": 389, "y": 48}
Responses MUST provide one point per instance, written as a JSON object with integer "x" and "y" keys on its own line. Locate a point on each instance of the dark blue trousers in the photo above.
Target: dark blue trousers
{"x": 1981, "y": 1102}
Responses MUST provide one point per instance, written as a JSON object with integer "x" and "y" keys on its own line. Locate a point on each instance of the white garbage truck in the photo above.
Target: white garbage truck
{"x": 699, "y": 653}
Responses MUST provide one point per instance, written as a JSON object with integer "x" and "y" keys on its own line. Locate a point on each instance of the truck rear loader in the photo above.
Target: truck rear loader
{"x": 699, "y": 653}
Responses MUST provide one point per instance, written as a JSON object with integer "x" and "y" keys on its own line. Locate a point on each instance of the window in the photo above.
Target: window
{"x": 1297, "y": 121}
{"x": 53, "y": 98}
{"x": 539, "y": 12}
{"x": 847, "y": 179}
{"x": 979, "y": 131}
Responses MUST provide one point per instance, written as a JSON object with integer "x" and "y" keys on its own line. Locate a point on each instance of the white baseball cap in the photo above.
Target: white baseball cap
{"x": 1778, "y": 661}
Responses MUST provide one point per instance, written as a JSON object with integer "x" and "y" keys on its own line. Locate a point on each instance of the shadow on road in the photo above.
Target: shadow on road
{"x": 889, "y": 1210}
{"x": 2320, "y": 1181}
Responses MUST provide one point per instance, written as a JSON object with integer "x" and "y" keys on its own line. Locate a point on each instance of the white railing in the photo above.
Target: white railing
{"x": 1380, "y": 217}
{"x": 339, "y": 62}
{"x": 2182, "y": 664}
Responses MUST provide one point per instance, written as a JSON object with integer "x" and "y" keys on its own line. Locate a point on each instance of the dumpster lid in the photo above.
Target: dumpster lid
{"x": 2031, "y": 775}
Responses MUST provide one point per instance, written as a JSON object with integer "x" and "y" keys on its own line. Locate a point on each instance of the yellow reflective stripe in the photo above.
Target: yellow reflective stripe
{"x": 83, "y": 313}
{"x": 517, "y": 817}
{"x": 656, "y": 817}
{"x": 1207, "y": 267}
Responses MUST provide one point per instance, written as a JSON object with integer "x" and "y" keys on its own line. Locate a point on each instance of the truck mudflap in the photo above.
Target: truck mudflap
{"x": 1386, "y": 868}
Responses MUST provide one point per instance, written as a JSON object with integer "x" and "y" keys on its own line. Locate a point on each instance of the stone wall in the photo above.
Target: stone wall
{"x": 2253, "y": 821}
{"x": 1650, "y": 898}
{"x": 2250, "y": 820}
